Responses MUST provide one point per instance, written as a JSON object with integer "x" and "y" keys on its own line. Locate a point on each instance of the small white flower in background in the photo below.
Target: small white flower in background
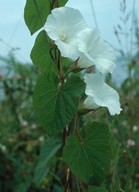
{"x": 100, "y": 94}
{"x": 130, "y": 143}
{"x": 24, "y": 123}
{"x": 124, "y": 123}
{"x": 94, "y": 51}
{"x": 3, "y": 147}
{"x": 63, "y": 26}
{"x": 135, "y": 128}
{"x": 115, "y": 130}
{"x": 33, "y": 126}
{"x": 41, "y": 139}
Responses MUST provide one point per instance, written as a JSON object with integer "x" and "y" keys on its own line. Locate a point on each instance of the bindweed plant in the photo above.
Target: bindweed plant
{"x": 72, "y": 61}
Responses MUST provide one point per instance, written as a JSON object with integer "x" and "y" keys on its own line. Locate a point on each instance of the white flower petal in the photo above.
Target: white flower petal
{"x": 102, "y": 94}
{"x": 90, "y": 103}
{"x": 63, "y": 26}
{"x": 94, "y": 51}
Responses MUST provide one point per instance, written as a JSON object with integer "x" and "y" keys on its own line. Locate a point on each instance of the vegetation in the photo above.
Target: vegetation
{"x": 31, "y": 161}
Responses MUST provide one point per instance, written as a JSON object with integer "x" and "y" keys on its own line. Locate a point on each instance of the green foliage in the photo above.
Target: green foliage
{"x": 48, "y": 150}
{"x": 57, "y": 189}
{"x": 41, "y": 57}
{"x": 88, "y": 157}
{"x": 97, "y": 189}
{"x": 22, "y": 187}
{"x": 97, "y": 157}
{"x": 62, "y": 2}
{"x": 56, "y": 105}
{"x": 21, "y": 137}
{"x": 35, "y": 14}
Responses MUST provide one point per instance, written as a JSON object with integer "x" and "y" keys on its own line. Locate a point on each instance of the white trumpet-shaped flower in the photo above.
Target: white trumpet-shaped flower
{"x": 100, "y": 94}
{"x": 95, "y": 51}
{"x": 63, "y": 26}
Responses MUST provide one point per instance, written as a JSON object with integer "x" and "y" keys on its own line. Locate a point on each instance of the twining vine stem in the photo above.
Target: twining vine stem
{"x": 60, "y": 68}
{"x": 68, "y": 177}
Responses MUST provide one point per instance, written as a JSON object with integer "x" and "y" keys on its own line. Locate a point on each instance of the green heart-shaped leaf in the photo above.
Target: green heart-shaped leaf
{"x": 35, "y": 14}
{"x": 56, "y": 106}
{"x": 89, "y": 159}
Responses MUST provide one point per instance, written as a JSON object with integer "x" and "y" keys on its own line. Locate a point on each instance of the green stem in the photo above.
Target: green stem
{"x": 76, "y": 131}
{"x": 68, "y": 177}
{"x": 59, "y": 64}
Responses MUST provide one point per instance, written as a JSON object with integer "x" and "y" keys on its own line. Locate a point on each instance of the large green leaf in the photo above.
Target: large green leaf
{"x": 35, "y": 14}
{"x": 55, "y": 106}
{"x": 40, "y": 53}
{"x": 97, "y": 189}
{"x": 89, "y": 159}
{"x": 48, "y": 150}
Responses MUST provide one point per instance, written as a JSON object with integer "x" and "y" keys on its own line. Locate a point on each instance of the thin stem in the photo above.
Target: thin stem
{"x": 64, "y": 136}
{"x": 54, "y": 4}
{"x": 68, "y": 173}
{"x": 59, "y": 65}
{"x": 76, "y": 131}
{"x": 65, "y": 133}
{"x": 93, "y": 12}
{"x": 75, "y": 123}
{"x": 79, "y": 135}
{"x": 133, "y": 15}
{"x": 68, "y": 177}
